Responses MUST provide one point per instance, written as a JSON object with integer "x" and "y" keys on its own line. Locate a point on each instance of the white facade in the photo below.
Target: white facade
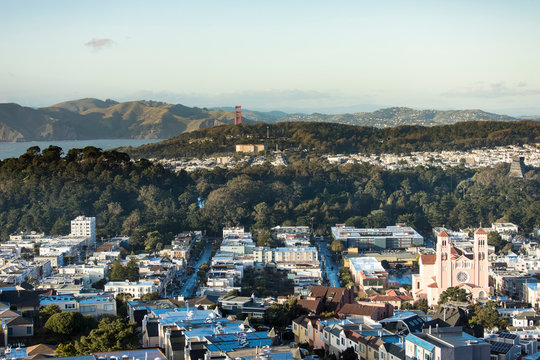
{"x": 137, "y": 288}
{"x": 84, "y": 226}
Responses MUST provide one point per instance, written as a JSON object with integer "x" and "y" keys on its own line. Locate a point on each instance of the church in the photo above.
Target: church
{"x": 453, "y": 266}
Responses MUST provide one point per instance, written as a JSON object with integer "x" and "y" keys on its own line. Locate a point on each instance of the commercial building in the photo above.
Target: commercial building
{"x": 399, "y": 236}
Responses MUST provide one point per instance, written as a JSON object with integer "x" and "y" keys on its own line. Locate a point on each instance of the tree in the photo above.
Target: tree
{"x": 454, "y": 294}
{"x": 100, "y": 284}
{"x": 48, "y": 311}
{"x": 385, "y": 264}
{"x": 153, "y": 240}
{"x": 337, "y": 246}
{"x": 110, "y": 335}
{"x": 65, "y": 323}
{"x": 281, "y": 315}
{"x": 65, "y": 350}
{"x": 487, "y": 316}
{"x": 264, "y": 238}
{"x": 150, "y": 296}
{"x": 494, "y": 239}
{"x": 118, "y": 272}
{"x": 132, "y": 269}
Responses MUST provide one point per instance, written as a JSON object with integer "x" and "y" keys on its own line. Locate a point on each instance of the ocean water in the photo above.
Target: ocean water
{"x": 16, "y": 149}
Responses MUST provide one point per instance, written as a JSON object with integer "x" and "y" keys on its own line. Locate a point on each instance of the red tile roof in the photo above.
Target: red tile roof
{"x": 480, "y": 231}
{"x": 428, "y": 259}
{"x": 443, "y": 234}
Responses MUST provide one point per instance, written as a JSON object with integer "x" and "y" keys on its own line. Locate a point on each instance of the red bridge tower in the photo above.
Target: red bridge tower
{"x": 237, "y": 115}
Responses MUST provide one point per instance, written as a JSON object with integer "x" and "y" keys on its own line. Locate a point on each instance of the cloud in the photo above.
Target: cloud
{"x": 99, "y": 44}
{"x": 493, "y": 90}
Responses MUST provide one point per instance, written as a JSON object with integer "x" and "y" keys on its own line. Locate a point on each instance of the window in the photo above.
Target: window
{"x": 342, "y": 341}
{"x": 88, "y": 309}
{"x": 69, "y": 306}
{"x": 29, "y": 330}
{"x": 10, "y": 331}
{"x": 108, "y": 307}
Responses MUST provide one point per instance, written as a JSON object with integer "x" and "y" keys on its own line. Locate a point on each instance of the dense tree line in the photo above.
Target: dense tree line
{"x": 339, "y": 138}
{"x": 43, "y": 190}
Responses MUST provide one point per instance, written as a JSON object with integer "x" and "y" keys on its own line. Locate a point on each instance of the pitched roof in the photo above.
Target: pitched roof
{"x": 480, "y": 231}
{"x": 332, "y": 294}
{"x": 21, "y": 298}
{"x": 18, "y": 321}
{"x": 357, "y": 309}
{"x": 428, "y": 259}
{"x": 40, "y": 349}
{"x": 443, "y": 234}
{"x": 314, "y": 306}
{"x": 9, "y": 314}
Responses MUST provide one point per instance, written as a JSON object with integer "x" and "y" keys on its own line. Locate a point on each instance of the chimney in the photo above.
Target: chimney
{"x": 429, "y": 330}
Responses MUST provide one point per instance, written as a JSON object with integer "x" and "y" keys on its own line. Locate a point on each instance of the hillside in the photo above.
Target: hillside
{"x": 94, "y": 119}
{"x": 97, "y": 119}
{"x": 339, "y": 138}
{"x": 396, "y": 116}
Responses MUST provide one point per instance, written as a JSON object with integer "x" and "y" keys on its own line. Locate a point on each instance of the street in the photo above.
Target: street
{"x": 191, "y": 283}
{"x": 328, "y": 265}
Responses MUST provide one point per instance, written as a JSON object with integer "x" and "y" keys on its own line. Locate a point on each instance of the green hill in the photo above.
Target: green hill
{"x": 96, "y": 119}
{"x": 320, "y": 137}
{"x": 396, "y": 116}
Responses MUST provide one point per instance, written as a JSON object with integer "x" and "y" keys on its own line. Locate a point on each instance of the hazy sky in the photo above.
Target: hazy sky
{"x": 290, "y": 55}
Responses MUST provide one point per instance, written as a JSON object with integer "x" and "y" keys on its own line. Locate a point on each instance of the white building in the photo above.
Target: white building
{"x": 87, "y": 305}
{"x": 136, "y": 288}
{"x": 399, "y": 236}
{"x": 84, "y": 226}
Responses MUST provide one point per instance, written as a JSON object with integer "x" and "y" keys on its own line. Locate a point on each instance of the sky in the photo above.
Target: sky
{"x": 326, "y": 56}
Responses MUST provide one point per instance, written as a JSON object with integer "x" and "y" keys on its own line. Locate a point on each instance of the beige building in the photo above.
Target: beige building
{"x": 250, "y": 148}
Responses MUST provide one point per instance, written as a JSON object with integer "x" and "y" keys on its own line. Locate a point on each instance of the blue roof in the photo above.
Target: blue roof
{"x": 532, "y": 286}
{"x": 229, "y": 342}
{"x": 420, "y": 342}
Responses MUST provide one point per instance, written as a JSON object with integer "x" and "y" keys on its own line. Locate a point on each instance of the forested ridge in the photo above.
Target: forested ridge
{"x": 43, "y": 190}
{"x": 326, "y": 138}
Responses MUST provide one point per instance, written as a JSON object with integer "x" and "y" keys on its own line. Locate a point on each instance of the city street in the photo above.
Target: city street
{"x": 191, "y": 283}
{"x": 328, "y": 265}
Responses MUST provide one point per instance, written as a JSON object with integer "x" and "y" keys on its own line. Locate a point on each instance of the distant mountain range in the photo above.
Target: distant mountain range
{"x": 97, "y": 119}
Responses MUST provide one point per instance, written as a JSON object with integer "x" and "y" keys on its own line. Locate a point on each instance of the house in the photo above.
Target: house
{"x": 250, "y": 306}
{"x": 504, "y": 346}
{"x": 371, "y": 310}
{"x": 21, "y": 300}
{"x": 135, "y": 288}
{"x": 448, "y": 343}
{"x": 97, "y": 305}
{"x": 16, "y": 325}
{"x": 325, "y": 299}
{"x": 40, "y": 351}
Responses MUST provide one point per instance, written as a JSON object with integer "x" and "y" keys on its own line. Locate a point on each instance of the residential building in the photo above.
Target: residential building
{"x": 445, "y": 343}
{"x": 368, "y": 273}
{"x": 250, "y": 148}
{"x": 84, "y": 227}
{"x": 87, "y": 305}
{"x": 135, "y": 288}
{"x": 531, "y": 294}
